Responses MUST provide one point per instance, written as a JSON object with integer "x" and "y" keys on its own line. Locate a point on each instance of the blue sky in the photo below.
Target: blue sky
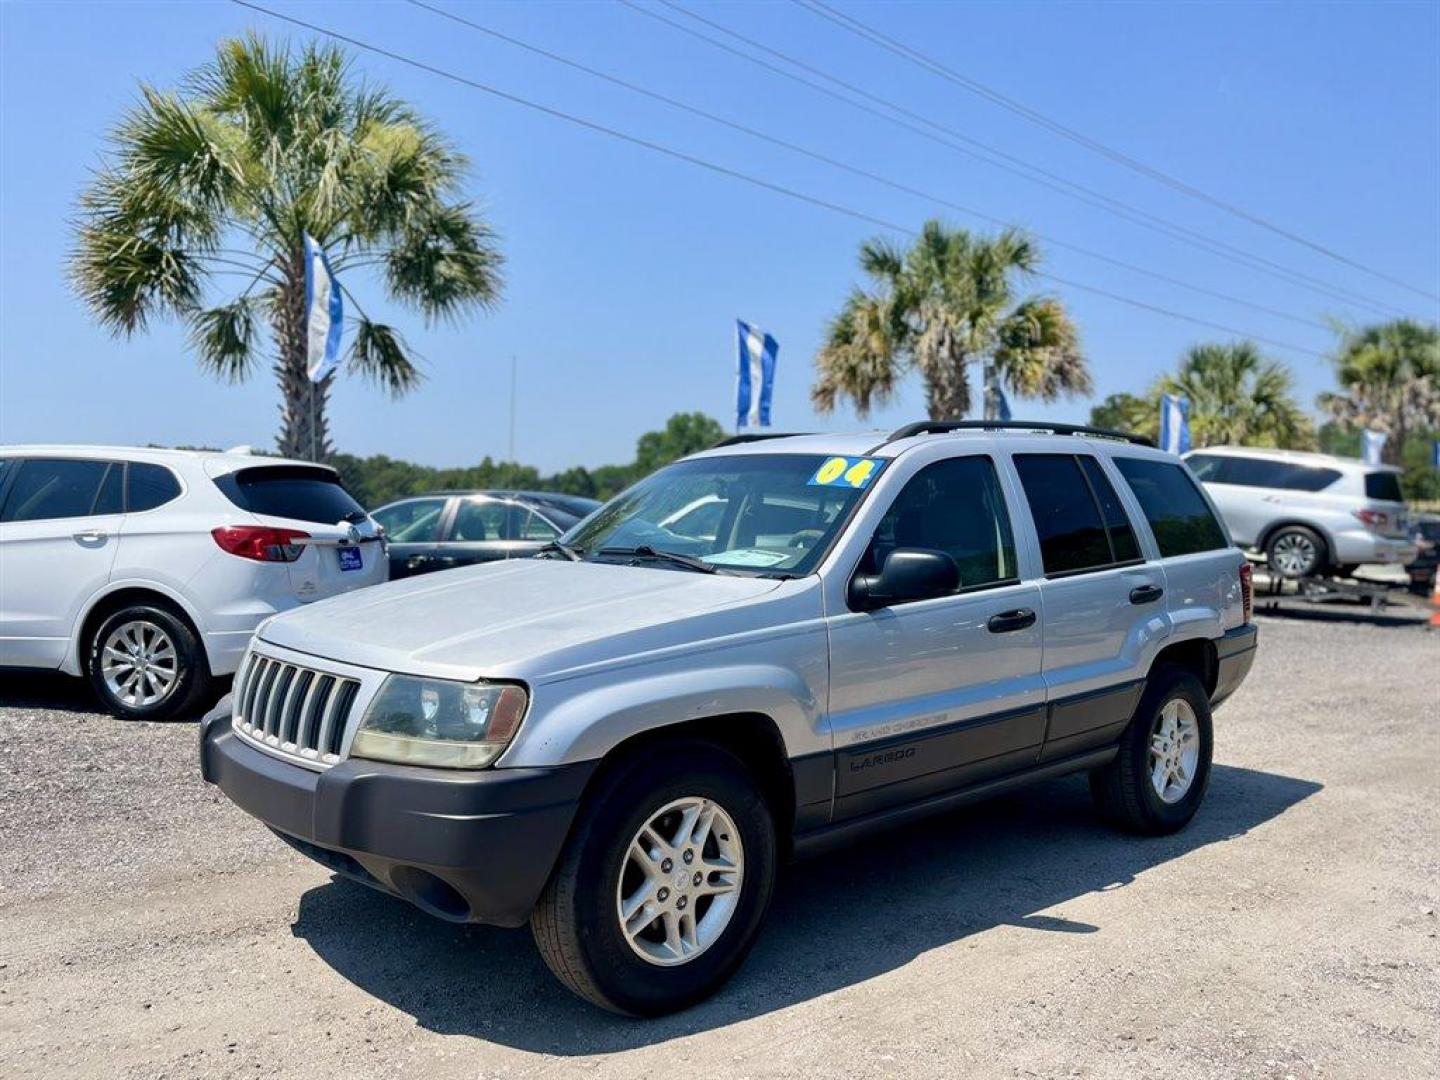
{"x": 626, "y": 270}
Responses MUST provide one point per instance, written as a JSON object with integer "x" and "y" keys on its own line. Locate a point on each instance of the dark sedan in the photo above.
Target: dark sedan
{"x": 1426, "y": 534}
{"x": 458, "y": 528}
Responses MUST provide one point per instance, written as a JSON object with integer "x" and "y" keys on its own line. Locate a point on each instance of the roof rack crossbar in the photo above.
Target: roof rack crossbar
{"x": 756, "y": 436}
{"x": 942, "y": 427}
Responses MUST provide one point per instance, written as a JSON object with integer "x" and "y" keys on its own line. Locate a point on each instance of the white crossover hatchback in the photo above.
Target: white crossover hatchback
{"x": 147, "y": 570}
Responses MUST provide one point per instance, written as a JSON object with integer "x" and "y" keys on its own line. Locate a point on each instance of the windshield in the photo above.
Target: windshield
{"x": 770, "y": 514}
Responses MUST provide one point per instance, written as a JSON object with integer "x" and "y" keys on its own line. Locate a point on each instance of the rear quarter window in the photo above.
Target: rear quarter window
{"x": 291, "y": 491}
{"x": 149, "y": 486}
{"x": 1171, "y": 501}
{"x": 1384, "y": 487}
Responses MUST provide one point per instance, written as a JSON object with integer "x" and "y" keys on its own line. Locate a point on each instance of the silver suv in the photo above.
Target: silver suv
{"x": 1308, "y": 513}
{"x": 620, "y": 740}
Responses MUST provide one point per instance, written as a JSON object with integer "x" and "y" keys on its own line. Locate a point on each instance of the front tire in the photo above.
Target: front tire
{"x": 1158, "y": 778}
{"x": 146, "y": 663}
{"x": 1295, "y": 552}
{"x": 660, "y": 891}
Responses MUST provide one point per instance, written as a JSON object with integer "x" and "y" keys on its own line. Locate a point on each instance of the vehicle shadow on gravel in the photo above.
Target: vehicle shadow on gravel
{"x": 50, "y": 690}
{"x": 837, "y": 920}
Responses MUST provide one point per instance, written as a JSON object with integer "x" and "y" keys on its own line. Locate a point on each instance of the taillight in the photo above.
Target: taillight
{"x": 1247, "y": 589}
{"x": 1374, "y": 519}
{"x": 260, "y": 542}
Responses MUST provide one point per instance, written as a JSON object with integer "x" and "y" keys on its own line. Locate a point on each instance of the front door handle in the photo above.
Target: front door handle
{"x": 1009, "y": 621}
{"x": 1146, "y": 594}
{"x": 89, "y": 536}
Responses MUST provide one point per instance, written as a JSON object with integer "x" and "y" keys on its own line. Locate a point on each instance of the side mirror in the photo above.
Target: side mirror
{"x": 908, "y": 574}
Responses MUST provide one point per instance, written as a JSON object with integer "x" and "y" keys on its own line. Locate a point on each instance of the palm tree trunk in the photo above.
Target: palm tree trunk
{"x": 304, "y": 432}
{"x": 947, "y": 385}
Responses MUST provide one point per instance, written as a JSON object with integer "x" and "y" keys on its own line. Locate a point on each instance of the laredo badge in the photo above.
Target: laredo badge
{"x": 851, "y": 472}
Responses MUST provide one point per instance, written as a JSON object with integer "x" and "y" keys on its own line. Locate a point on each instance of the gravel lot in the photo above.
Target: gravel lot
{"x": 149, "y": 929}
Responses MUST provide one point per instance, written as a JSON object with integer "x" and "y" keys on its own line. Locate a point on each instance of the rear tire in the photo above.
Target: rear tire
{"x": 146, "y": 663}
{"x": 1158, "y": 778}
{"x": 614, "y": 859}
{"x": 1295, "y": 552}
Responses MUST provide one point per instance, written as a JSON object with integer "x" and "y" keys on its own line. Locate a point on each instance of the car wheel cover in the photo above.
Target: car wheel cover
{"x": 1294, "y": 554}
{"x": 139, "y": 663}
{"x": 1174, "y": 755}
{"x": 681, "y": 880}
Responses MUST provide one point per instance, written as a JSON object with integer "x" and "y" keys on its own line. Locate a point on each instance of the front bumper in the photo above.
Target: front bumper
{"x": 465, "y": 846}
{"x": 1234, "y": 655}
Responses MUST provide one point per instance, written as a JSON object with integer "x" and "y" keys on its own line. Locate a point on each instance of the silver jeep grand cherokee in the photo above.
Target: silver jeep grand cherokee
{"x": 758, "y": 651}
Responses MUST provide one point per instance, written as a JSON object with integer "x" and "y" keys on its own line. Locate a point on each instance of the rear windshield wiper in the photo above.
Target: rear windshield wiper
{"x": 645, "y": 551}
{"x": 571, "y": 553}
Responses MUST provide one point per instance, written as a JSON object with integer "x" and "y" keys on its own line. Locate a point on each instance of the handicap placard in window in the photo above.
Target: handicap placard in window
{"x": 847, "y": 472}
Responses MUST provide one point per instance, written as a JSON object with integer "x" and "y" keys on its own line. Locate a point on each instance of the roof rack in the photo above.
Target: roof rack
{"x": 942, "y": 427}
{"x": 757, "y": 436}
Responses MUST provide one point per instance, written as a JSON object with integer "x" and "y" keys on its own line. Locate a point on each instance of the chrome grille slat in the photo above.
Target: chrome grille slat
{"x": 275, "y": 697}
{"x": 293, "y": 709}
{"x": 327, "y": 720}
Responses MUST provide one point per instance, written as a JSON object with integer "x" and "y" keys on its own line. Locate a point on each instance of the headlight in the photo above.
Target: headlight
{"x": 449, "y": 725}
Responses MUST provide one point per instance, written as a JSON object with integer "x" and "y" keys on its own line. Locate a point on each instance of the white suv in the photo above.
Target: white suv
{"x": 148, "y": 570}
{"x": 1308, "y": 513}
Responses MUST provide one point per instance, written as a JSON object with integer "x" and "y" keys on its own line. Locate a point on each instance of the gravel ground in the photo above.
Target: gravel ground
{"x": 150, "y": 929}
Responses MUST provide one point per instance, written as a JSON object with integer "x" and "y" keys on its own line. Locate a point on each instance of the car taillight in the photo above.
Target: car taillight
{"x": 1247, "y": 589}
{"x": 260, "y": 542}
{"x": 1374, "y": 519}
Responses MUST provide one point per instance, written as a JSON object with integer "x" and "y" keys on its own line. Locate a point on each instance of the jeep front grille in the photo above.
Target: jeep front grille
{"x": 291, "y": 708}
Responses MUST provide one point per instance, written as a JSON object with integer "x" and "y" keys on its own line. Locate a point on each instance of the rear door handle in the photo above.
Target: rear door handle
{"x": 1009, "y": 621}
{"x": 1146, "y": 594}
{"x": 89, "y": 536}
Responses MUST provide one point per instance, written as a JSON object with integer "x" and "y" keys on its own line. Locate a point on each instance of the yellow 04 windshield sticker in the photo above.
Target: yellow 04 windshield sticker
{"x": 847, "y": 472}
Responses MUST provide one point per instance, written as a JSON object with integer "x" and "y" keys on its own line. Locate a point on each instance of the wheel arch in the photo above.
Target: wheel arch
{"x": 1197, "y": 655}
{"x": 112, "y": 600}
{"x": 1263, "y": 541}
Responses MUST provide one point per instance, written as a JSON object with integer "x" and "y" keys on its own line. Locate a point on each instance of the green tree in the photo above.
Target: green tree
{"x": 1236, "y": 395}
{"x": 1389, "y": 376}
{"x": 1238, "y": 398}
{"x": 1125, "y": 412}
{"x": 684, "y": 433}
{"x": 947, "y": 301}
{"x": 224, "y": 177}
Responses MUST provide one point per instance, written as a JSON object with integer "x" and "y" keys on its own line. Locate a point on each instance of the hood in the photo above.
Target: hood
{"x": 524, "y": 618}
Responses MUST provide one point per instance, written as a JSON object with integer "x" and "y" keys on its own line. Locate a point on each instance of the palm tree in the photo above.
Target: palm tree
{"x": 224, "y": 177}
{"x": 1238, "y": 397}
{"x": 945, "y": 302}
{"x": 1389, "y": 376}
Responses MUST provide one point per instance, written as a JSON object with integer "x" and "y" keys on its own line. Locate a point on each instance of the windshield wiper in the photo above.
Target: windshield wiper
{"x": 645, "y": 551}
{"x": 571, "y": 553}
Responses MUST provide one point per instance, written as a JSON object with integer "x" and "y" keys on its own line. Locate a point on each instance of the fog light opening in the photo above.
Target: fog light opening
{"x": 430, "y": 893}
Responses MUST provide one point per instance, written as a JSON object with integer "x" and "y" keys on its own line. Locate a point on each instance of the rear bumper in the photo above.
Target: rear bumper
{"x": 1363, "y": 546}
{"x": 464, "y": 846}
{"x": 1235, "y": 655}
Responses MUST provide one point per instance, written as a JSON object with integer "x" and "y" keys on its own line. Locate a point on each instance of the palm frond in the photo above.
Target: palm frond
{"x": 224, "y": 338}
{"x": 444, "y": 262}
{"x": 380, "y": 354}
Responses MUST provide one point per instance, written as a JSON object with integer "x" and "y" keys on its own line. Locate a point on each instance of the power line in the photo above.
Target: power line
{"x": 988, "y": 154}
{"x": 853, "y": 169}
{"x": 724, "y": 170}
{"x": 914, "y": 56}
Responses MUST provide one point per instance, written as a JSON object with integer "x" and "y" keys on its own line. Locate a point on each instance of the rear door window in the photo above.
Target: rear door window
{"x": 1384, "y": 487}
{"x": 291, "y": 491}
{"x": 1073, "y": 536}
{"x": 1122, "y": 536}
{"x": 1172, "y": 503}
{"x": 415, "y": 521}
{"x": 477, "y": 521}
{"x": 49, "y": 488}
{"x": 149, "y": 486}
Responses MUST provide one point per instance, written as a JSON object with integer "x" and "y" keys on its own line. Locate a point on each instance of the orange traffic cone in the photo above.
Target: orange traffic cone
{"x": 1435, "y": 603}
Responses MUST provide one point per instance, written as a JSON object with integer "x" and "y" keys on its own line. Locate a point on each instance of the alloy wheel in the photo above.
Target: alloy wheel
{"x": 139, "y": 663}
{"x": 681, "y": 881}
{"x": 1295, "y": 554}
{"x": 1174, "y": 750}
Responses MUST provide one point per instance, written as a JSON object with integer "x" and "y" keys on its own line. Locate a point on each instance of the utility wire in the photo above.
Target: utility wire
{"x": 723, "y": 170}
{"x": 984, "y": 152}
{"x": 855, "y": 170}
{"x": 1034, "y": 116}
